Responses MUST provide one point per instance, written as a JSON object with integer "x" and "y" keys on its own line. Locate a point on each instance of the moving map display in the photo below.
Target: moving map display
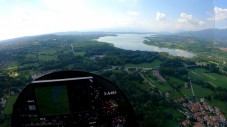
{"x": 52, "y": 100}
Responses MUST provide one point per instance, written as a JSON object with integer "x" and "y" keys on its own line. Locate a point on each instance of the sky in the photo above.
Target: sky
{"x": 33, "y": 17}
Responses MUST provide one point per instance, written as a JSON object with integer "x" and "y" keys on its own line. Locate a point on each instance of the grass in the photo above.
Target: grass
{"x": 139, "y": 65}
{"x": 9, "y": 104}
{"x": 12, "y": 67}
{"x": 80, "y": 54}
{"x": 34, "y": 64}
{"x": 48, "y": 52}
{"x": 213, "y": 78}
{"x": 220, "y": 104}
{"x": 143, "y": 86}
{"x": 175, "y": 95}
{"x": 8, "y": 111}
{"x": 70, "y": 66}
{"x": 155, "y": 63}
{"x": 202, "y": 92}
{"x": 198, "y": 90}
{"x": 163, "y": 87}
{"x": 216, "y": 79}
{"x": 176, "y": 115}
{"x": 48, "y": 55}
{"x": 31, "y": 56}
{"x": 175, "y": 81}
{"x": 170, "y": 123}
{"x": 48, "y": 58}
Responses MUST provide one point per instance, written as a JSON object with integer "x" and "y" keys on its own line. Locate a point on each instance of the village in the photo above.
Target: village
{"x": 200, "y": 113}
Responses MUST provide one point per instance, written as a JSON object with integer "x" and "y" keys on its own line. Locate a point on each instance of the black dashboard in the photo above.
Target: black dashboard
{"x": 72, "y": 98}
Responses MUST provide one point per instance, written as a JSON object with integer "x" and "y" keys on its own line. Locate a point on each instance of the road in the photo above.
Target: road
{"x": 72, "y": 49}
{"x": 193, "y": 94}
{"x": 153, "y": 86}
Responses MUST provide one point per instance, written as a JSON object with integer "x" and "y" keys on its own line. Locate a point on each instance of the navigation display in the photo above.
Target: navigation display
{"x": 52, "y": 100}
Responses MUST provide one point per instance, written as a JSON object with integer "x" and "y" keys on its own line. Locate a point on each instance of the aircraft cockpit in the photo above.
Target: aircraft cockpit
{"x": 72, "y": 99}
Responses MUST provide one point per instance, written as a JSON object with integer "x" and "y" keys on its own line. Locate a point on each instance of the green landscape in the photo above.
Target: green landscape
{"x": 158, "y": 85}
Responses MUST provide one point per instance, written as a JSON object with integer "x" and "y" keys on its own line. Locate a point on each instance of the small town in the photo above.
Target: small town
{"x": 200, "y": 114}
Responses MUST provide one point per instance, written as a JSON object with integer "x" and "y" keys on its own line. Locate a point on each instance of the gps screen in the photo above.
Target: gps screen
{"x": 52, "y": 100}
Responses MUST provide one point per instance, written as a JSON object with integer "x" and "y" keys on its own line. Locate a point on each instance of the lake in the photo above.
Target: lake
{"x": 135, "y": 42}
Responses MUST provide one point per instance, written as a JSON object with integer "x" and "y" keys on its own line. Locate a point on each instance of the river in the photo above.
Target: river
{"x": 135, "y": 42}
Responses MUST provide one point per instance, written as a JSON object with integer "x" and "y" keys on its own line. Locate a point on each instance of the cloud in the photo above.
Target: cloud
{"x": 55, "y": 15}
{"x": 220, "y": 14}
{"x": 160, "y": 16}
{"x": 183, "y": 22}
{"x": 188, "y": 22}
{"x": 189, "y": 19}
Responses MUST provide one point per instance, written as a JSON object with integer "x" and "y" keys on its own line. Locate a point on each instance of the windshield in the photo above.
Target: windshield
{"x": 168, "y": 57}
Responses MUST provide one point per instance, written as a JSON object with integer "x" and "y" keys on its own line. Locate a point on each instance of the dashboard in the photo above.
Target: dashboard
{"x": 72, "y": 98}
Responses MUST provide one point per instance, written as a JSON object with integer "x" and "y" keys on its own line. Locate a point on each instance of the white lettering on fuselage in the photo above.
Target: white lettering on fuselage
{"x": 110, "y": 93}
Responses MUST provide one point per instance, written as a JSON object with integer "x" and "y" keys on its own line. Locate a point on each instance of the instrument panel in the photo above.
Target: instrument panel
{"x": 72, "y": 98}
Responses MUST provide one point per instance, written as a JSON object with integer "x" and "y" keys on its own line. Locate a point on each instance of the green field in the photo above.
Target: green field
{"x": 213, "y": 78}
{"x": 48, "y": 55}
{"x": 163, "y": 87}
{"x": 220, "y": 104}
{"x": 12, "y": 67}
{"x": 175, "y": 95}
{"x": 80, "y": 54}
{"x": 198, "y": 90}
{"x": 9, "y": 105}
{"x": 31, "y": 56}
{"x": 175, "y": 81}
{"x": 48, "y": 52}
{"x": 175, "y": 114}
{"x": 143, "y": 86}
{"x": 35, "y": 64}
{"x": 48, "y": 58}
{"x": 155, "y": 63}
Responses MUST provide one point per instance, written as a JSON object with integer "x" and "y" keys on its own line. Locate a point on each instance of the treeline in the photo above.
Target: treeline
{"x": 174, "y": 67}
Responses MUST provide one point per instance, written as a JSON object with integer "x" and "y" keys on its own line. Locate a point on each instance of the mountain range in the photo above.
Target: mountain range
{"x": 219, "y": 35}
{"x": 214, "y": 34}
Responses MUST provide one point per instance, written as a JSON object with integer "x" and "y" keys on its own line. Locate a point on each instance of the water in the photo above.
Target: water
{"x": 135, "y": 42}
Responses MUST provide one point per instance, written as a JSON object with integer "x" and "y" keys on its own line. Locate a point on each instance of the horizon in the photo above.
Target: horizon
{"x": 115, "y": 32}
{"x": 31, "y": 18}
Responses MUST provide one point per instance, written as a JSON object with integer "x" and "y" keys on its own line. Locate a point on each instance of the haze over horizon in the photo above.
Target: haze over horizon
{"x": 26, "y": 18}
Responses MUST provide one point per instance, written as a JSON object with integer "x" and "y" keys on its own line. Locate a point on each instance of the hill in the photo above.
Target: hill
{"x": 211, "y": 34}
